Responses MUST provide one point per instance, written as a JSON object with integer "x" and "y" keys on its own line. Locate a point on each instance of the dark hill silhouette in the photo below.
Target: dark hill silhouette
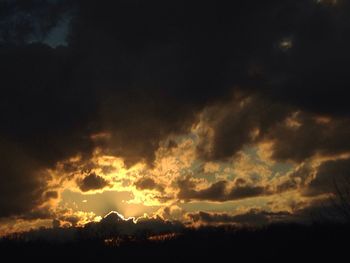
{"x": 275, "y": 243}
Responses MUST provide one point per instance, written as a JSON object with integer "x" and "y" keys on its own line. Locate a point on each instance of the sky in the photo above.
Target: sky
{"x": 206, "y": 113}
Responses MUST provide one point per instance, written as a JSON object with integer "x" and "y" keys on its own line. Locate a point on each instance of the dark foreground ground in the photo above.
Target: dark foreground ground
{"x": 277, "y": 243}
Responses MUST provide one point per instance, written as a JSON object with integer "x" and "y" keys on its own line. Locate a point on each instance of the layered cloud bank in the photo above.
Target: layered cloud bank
{"x": 210, "y": 111}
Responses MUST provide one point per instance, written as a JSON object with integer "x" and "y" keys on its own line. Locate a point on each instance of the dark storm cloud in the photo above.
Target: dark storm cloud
{"x": 188, "y": 55}
{"x": 92, "y": 182}
{"x": 331, "y": 177}
{"x": 216, "y": 191}
{"x": 21, "y": 184}
{"x": 234, "y": 125}
{"x": 252, "y": 217}
{"x": 319, "y": 211}
{"x": 142, "y": 70}
{"x": 240, "y": 192}
{"x": 296, "y": 135}
{"x": 316, "y": 65}
{"x": 38, "y": 213}
{"x": 312, "y": 136}
{"x": 51, "y": 195}
{"x": 219, "y": 191}
{"x": 301, "y": 76}
{"x": 42, "y": 121}
{"x": 39, "y": 109}
{"x": 148, "y": 183}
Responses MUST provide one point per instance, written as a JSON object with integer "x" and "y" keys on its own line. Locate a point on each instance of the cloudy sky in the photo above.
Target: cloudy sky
{"x": 204, "y": 112}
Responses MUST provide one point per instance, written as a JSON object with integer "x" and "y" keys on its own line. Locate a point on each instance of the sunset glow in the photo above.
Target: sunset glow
{"x": 151, "y": 130}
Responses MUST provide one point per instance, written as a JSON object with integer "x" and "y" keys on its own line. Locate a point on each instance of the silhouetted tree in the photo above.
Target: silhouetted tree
{"x": 341, "y": 199}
